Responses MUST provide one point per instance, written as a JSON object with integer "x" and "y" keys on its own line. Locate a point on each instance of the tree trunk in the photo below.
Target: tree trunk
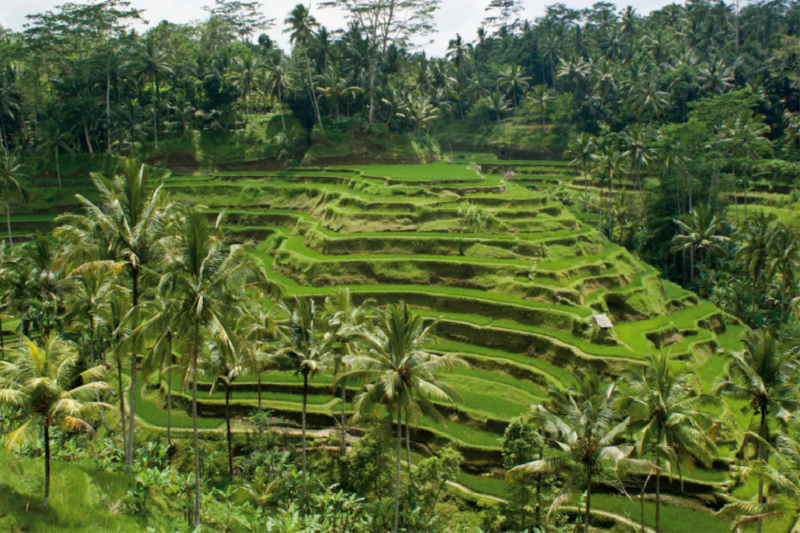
{"x": 397, "y": 475}
{"x": 744, "y": 186}
{"x": 122, "y": 406}
{"x": 194, "y": 427}
{"x": 408, "y": 448}
{"x": 516, "y": 125}
{"x": 46, "y": 463}
{"x": 539, "y": 493}
{"x": 305, "y": 400}
{"x": 588, "y": 503}
{"x": 280, "y": 103}
{"x": 108, "y": 107}
{"x": 344, "y": 416}
{"x": 132, "y": 402}
{"x": 764, "y": 434}
{"x": 8, "y": 222}
{"x": 169, "y": 408}
{"x": 259, "y": 391}
{"x": 156, "y": 101}
{"x": 658, "y": 494}
{"x": 313, "y": 96}
{"x": 86, "y": 136}
{"x": 2, "y": 341}
{"x": 58, "y": 168}
{"x": 228, "y": 429}
{"x": 372, "y": 97}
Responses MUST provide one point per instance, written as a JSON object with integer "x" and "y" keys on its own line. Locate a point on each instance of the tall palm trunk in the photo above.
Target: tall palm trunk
{"x": 169, "y": 391}
{"x": 46, "y": 463}
{"x": 8, "y": 222}
{"x": 408, "y": 448}
{"x": 344, "y": 416}
{"x": 305, "y": 400}
{"x": 764, "y": 434}
{"x": 58, "y": 168}
{"x": 228, "y": 428}
{"x": 588, "y": 503}
{"x": 2, "y": 341}
{"x": 372, "y": 96}
{"x": 86, "y": 136}
{"x": 156, "y": 101}
{"x": 280, "y": 103}
{"x": 539, "y": 493}
{"x": 259, "y": 391}
{"x": 658, "y": 494}
{"x": 194, "y": 427}
{"x": 122, "y": 406}
{"x": 313, "y": 96}
{"x": 108, "y": 108}
{"x": 132, "y": 403}
{"x": 397, "y": 475}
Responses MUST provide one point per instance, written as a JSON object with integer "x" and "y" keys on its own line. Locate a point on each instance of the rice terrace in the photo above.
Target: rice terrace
{"x": 548, "y": 282}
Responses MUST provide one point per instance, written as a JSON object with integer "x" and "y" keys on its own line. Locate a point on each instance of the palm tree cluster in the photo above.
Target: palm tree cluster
{"x": 137, "y": 280}
{"x": 110, "y": 89}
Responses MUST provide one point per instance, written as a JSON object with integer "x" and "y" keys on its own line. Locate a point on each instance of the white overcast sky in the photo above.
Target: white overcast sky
{"x": 455, "y": 16}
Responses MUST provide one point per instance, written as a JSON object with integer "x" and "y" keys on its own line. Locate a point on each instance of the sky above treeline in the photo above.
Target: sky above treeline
{"x": 454, "y": 16}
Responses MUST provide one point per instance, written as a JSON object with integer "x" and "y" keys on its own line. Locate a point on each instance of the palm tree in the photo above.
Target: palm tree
{"x": 647, "y": 97}
{"x": 582, "y": 151}
{"x": 301, "y": 25}
{"x": 52, "y": 139}
{"x": 226, "y": 362}
{"x": 207, "y": 277}
{"x": 497, "y": 103}
{"x": 185, "y": 112}
{"x": 610, "y": 165}
{"x": 784, "y": 254}
{"x": 130, "y": 119}
{"x": 125, "y": 226}
{"x": 781, "y": 473}
{"x": 303, "y": 349}
{"x": 332, "y": 86}
{"x": 537, "y": 100}
{"x": 152, "y": 61}
{"x": 583, "y": 429}
{"x": 160, "y": 328}
{"x": 512, "y": 81}
{"x": 248, "y": 69}
{"x": 701, "y": 232}
{"x": 417, "y": 109}
{"x": 636, "y": 140}
{"x": 45, "y": 383}
{"x": 754, "y": 237}
{"x": 666, "y": 408}
{"x": 459, "y": 52}
{"x": 766, "y": 374}
{"x": 277, "y": 79}
{"x": 11, "y": 173}
{"x": 345, "y": 318}
{"x": 399, "y": 373}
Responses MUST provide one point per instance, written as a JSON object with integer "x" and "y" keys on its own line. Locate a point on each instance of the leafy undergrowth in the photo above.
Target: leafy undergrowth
{"x": 81, "y": 498}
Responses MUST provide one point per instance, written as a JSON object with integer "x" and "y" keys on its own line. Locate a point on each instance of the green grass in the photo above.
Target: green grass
{"x": 80, "y": 497}
{"x": 673, "y": 519}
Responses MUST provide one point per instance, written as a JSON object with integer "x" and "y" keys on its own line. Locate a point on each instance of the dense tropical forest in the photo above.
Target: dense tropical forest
{"x": 548, "y": 282}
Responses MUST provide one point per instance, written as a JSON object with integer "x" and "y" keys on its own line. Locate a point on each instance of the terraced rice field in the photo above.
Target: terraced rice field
{"x": 515, "y": 300}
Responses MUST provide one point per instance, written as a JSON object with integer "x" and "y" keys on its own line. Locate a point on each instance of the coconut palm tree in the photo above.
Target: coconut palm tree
{"x": 225, "y": 362}
{"x": 52, "y": 139}
{"x": 766, "y": 373}
{"x": 663, "y": 404}
{"x": 511, "y": 81}
{"x": 537, "y": 101}
{"x": 497, "y": 103}
{"x": 754, "y": 237}
{"x": 301, "y": 25}
{"x": 784, "y": 255}
{"x": 399, "y": 373}
{"x": 12, "y": 172}
{"x": 582, "y": 150}
{"x": 125, "y": 227}
{"x": 248, "y": 69}
{"x": 152, "y": 62}
{"x": 781, "y": 474}
{"x": 303, "y": 349}
{"x": 583, "y": 428}
{"x": 160, "y": 329}
{"x": 609, "y": 164}
{"x": 638, "y": 153}
{"x": 701, "y": 232}
{"x": 46, "y": 384}
{"x": 345, "y": 318}
{"x": 332, "y": 86}
{"x": 277, "y": 79}
{"x": 207, "y": 278}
